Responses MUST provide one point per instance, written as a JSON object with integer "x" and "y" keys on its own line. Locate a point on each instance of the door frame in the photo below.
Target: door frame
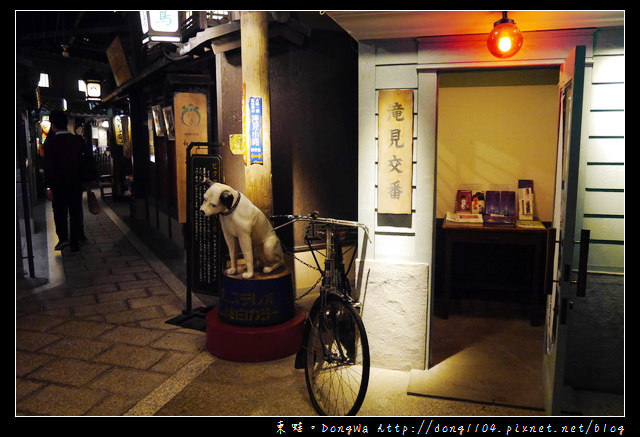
{"x": 570, "y": 86}
{"x": 428, "y": 100}
{"x": 413, "y": 63}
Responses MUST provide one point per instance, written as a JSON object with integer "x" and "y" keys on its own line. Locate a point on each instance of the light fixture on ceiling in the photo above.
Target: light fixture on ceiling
{"x": 505, "y": 40}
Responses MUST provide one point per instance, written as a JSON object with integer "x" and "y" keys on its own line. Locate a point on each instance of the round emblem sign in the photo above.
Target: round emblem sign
{"x": 190, "y": 115}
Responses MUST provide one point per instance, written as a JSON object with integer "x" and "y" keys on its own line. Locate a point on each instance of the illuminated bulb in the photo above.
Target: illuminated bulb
{"x": 505, "y": 40}
{"x": 505, "y": 44}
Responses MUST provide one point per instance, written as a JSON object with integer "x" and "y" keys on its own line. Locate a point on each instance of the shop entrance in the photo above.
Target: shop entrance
{"x": 494, "y": 128}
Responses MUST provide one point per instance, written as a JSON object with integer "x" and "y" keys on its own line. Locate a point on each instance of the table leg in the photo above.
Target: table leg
{"x": 447, "y": 277}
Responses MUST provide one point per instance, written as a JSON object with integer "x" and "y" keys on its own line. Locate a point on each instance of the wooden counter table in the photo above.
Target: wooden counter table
{"x": 530, "y": 237}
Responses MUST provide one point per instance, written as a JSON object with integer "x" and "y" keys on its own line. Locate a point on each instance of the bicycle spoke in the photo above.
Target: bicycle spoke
{"x": 338, "y": 385}
{"x": 338, "y": 368}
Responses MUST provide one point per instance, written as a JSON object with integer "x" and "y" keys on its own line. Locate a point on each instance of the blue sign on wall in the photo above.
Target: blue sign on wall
{"x": 255, "y": 130}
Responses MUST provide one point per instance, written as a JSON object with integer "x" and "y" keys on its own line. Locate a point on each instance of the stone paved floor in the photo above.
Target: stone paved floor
{"x": 98, "y": 344}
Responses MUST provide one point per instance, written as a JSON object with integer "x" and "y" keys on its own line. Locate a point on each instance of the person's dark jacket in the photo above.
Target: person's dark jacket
{"x": 63, "y": 156}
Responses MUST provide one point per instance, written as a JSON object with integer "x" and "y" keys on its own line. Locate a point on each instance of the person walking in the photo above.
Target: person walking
{"x": 64, "y": 153}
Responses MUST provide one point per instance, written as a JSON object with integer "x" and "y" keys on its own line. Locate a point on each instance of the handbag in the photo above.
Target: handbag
{"x": 92, "y": 203}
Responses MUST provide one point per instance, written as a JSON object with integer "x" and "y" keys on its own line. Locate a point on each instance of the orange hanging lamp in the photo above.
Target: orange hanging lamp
{"x": 505, "y": 40}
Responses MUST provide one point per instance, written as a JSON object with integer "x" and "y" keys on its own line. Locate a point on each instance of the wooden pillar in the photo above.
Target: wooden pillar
{"x": 255, "y": 78}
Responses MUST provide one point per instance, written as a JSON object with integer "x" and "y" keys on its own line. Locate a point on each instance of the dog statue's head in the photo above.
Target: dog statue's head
{"x": 218, "y": 198}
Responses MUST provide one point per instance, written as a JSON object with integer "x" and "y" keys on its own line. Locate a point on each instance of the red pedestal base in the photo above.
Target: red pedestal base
{"x": 254, "y": 344}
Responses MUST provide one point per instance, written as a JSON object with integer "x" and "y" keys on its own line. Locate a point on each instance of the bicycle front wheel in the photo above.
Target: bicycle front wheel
{"x": 337, "y": 358}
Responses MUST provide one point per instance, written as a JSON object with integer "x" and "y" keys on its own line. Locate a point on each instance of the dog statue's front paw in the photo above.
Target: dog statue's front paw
{"x": 247, "y": 275}
{"x": 230, "y": 271}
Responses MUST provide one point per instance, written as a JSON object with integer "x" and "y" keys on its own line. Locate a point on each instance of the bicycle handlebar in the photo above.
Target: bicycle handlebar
{"x": 313, "y": 218}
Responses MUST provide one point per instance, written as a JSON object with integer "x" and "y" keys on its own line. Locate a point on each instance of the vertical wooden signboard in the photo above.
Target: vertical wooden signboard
{"x": 395, "y": 151}
{"x": 118, "y": 130}
{"x": 204, "y": 236}
{"x": 118, "y": 62}
{"x": 190, "y": 118}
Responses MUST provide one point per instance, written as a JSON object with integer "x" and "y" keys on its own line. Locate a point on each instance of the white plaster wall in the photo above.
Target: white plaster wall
{"x": 394, "y": 297}
{"x": 394, "y": 281}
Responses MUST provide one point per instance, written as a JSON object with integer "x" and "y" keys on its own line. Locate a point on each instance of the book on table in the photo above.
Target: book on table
{"x": 500, "y": 207}
{"x": 525, "y": 199}
{"x": 463, "y": 201}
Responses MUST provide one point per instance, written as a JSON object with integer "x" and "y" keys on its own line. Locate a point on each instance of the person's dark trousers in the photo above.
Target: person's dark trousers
{"x": 67, "y": 202}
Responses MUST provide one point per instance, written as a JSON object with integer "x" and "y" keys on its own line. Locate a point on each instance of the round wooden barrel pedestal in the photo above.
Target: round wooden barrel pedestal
{"x": 256, "y": 319}
{"x": 254, "y": 344}
{"x": 264, "y": 300}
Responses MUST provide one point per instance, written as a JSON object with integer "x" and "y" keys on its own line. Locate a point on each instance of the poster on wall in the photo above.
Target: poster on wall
{"x": 152, "y": 146}
{"x": 255, "y": 131}
{"x": 127, "y": 150}
{"x": 117, "y": 129}
{"x": 190, "y": 124}
{"x": 395, "y": 151}
{"x": 169, "y": 124}
{"x": 245, "y": 129}
{"x": 157, "y": 120}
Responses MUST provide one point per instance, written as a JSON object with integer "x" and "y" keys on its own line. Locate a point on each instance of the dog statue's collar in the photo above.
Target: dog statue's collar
{"x": 233, "y": 207}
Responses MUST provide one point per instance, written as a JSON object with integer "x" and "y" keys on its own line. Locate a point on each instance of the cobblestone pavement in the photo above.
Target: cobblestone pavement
{"x": 98, "y": 343}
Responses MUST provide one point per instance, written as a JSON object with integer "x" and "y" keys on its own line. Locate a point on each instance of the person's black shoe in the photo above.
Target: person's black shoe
{"x": 61, "y": 245}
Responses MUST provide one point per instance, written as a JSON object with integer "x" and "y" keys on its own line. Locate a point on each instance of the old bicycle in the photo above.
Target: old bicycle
{"x": 335, "y": 351}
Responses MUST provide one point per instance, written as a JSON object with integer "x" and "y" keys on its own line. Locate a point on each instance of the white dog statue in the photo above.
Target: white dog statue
{"x": 241, "y": 219}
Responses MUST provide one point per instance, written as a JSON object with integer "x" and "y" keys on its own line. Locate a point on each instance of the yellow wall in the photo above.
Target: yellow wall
{"x": 496, "y": 135}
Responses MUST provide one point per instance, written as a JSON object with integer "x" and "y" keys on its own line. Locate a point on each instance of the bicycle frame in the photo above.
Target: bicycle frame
{"x": 334, "y": 276}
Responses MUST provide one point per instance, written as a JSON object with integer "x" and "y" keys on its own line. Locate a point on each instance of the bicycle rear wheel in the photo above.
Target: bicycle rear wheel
{"x": 337, "y": 358}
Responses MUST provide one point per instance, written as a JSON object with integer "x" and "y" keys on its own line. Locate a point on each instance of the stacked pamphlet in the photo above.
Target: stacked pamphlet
{"x": 466, "y": 218}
